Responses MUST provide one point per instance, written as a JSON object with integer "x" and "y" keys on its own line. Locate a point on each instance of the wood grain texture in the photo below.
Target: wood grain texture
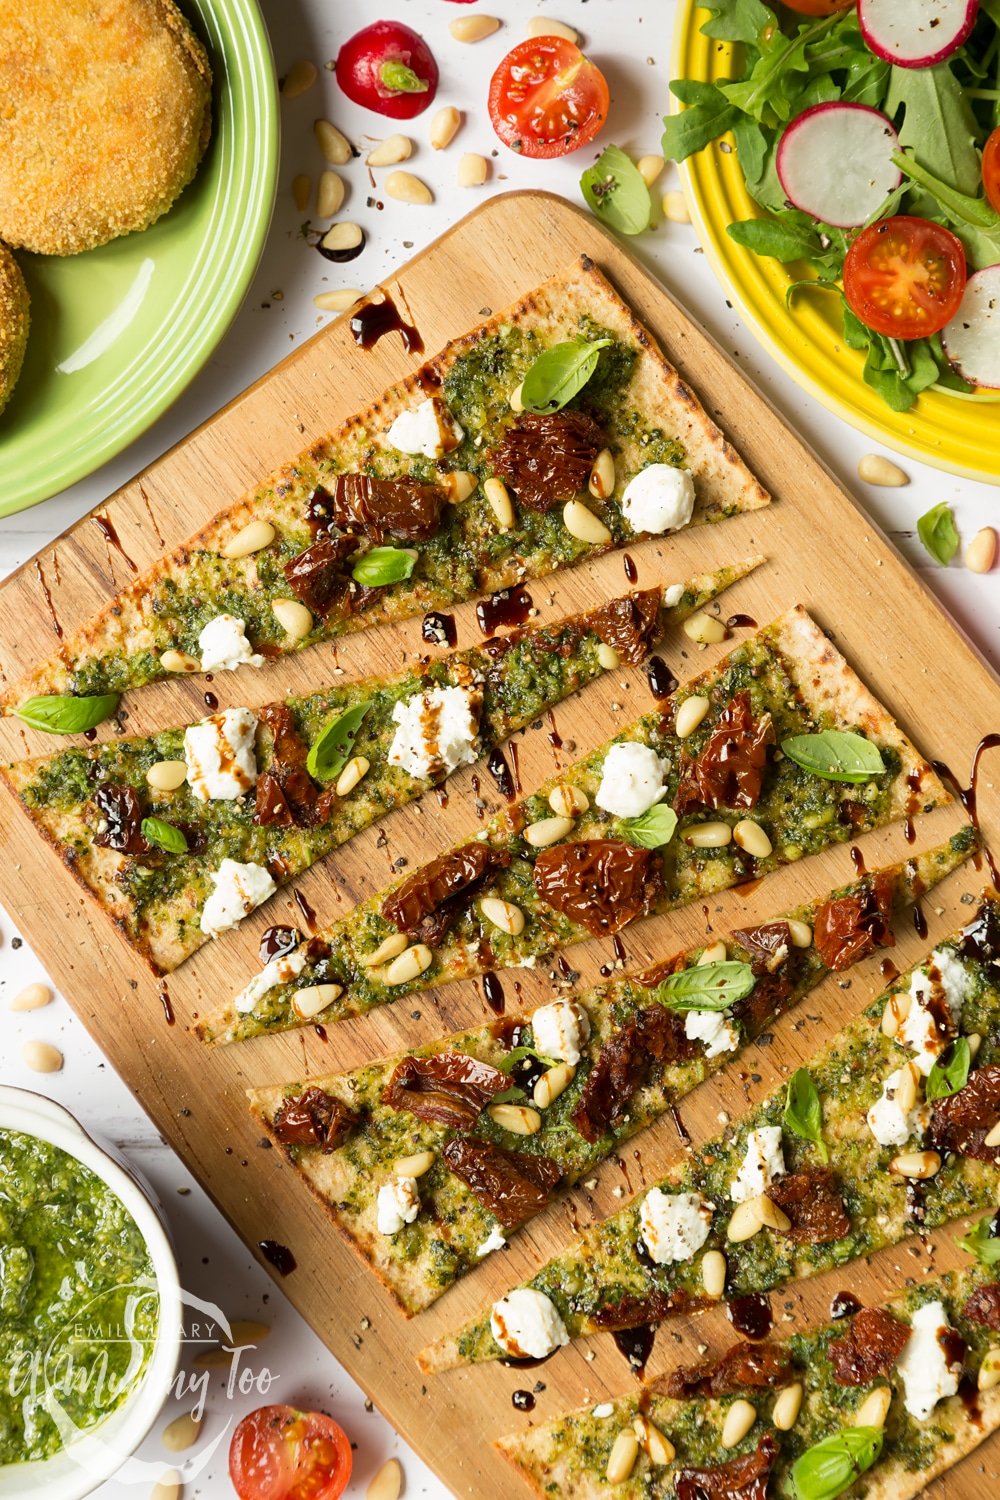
{"x": 822, "y": 553}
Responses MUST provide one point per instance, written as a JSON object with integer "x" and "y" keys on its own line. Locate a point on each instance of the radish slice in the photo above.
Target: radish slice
{"x": 835, "y": 162}
{"x": 916, "y": 33}
{"x": 972, "y": 339}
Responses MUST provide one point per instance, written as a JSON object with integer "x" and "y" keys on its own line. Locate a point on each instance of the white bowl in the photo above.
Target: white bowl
{"x": 62, "y": 1477}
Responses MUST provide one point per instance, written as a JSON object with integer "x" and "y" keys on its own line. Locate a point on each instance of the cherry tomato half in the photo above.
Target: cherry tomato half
{"x": 388, "y": 67}
{"x": 991, "y": 169}
{"x": 547, "y": 99}
{"x": 905, "y": 276}
{"x": 818, "y": 7}
{"x": 278, "y": 1453}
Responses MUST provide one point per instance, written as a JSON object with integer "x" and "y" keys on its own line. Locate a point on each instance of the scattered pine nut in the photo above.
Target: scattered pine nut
{"x": 690, "y": 715}
{"x": 874, "y": 1408}
{"x": 473, "y": 28}
{"x": 293, "y": 617}
{"x": 460, "y": 484}
{"x": 500, "y": 503}
{"x": 333, "y": 143}
{"x": 42, "y": 1057}
{"x": 584, "y": 525}
{"x": 547, "y": 831}
{"x": 405, "y": 187}
{"x": 329, "y": 194}
{"x": 313, "y": 999}
{"x": 651, "y": 169}
{"x": 354, "y": 772}
{"x": 621, "y": 1460}
{"x": 989, "y": 1370}
{"x": 717, "y": 953}
{"x": 415, "y": 1166}
{"x": 444, "y": 127}
{"x": 787, "y": 1405}
{"x": 33, "y": 996}
{"x": 875, "y": 468}
{"x": 181, "y": 1433}
{"x": 253, "y": 537}
{"x": 473, "y": 170}
{"x": 390, "y": 947}
{"x": 675, "y": 207}
{"x": 981, "y": 553}
{"x": 388, "y": 1482}
{"x": 343, "y": 239}
{"x": 338, "y": 301}
{"x": 167, "y": 775}
{"x": 391, "y": 151}
{"x": 738, "y": 1421}
{"x": 246, "y": 1332}
{"x": 705, "y": 630}
{"x": 301, "y": 188}
{"x": 567, "y": 801}
{"x": 167, "y": 1488}
{"x": 178, "y": 661}
{"x": 713, "y": 1273}
{"x": 541, "y": 26}
{"x": 300, "y": 77}
{"x": 608, "y": 657}
{"x": 410, "y": 964}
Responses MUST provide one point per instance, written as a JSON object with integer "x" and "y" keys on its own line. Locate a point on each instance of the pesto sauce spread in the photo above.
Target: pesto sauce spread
{"x": 74, "y": 1272}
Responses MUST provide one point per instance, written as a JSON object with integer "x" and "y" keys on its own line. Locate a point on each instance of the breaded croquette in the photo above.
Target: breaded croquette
{"x": 13, "y": 323}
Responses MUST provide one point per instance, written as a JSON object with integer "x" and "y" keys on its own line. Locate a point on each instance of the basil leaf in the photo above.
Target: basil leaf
{"x": 65, "y": 714}
{"x": 560, "y": 374}
{"x": 384, "y": 565}
{"x": 803, "y": 1112}
{"x": 616, "y": 191}
{"x": 164, "y": 836}
{"x": 508, "y": 1063}
{"x": 835, "y": 755}
{"x": 652, "y": 829}
{"x": 708, "y": 986}
{"x": 510, "y": 1096}
{"x": 401, "y": 79}
{"x": 332, "y": 750}
{"x": 982, "y": 1243}
{"x": 938, "y": 533}
{"x": 946, "y": 1078}
{"x": 828, "y": 1468}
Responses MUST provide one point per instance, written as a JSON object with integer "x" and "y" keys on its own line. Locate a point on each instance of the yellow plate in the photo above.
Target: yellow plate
{"x": 954, "y": 432}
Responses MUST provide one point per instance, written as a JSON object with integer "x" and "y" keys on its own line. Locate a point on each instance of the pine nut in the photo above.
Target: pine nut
{"x": 584, "y": 525}
{"x": 981, "y": 553}
{"x": 178, "y": 661}
{"x": 181, "y": 1433}
{"x": 314, "y": 998}
{"x": 906, "y": 1088}
{"x": 713, "y": 1273}
{"x": 390, "y": 947}
{"x": 246, "y": 1332}
{"x": 874, "y": 1408}
{"x": 410, "y": 964}
{"x": 32, "y": 997}
{"x": 607, "y": 657}
{"x": 658, "y": 1447}
{"x": 745, "y": 1221}
{"x": 738, "y": 1421}
{"x": 388, "y": 1482}
{"x": 473, "y": 28}
{"x": 897, "y": 1008}
{"x": 553, "y": 1082}
{"x": 330, "y": 193}
{"x": 568, "y": 801}
{"x": 295, "y": 620}
{"x": 689, "y": 715}
{"x": 515, "y": 400}
{"x": 503, "y": 914}
{"x": 473, "y": 169}
{"x": 875, "y": 468}
{"x": 444, "y": 127}
{"x": 716, "y": 954}
{"x": 787, "y": 1405}
{"x": 704, "y": 630}
{"x": 355, "y": 770}
{"x": 42, "y": 1057}
{"x": 989, "y": 1370}
{"x": 621, "y": 1460}
{"x": 539, "y": 26}
{"x": 301, "y": 188}
{"x": 342, "y": 238}
{"x": 975, "y": 1041}
{"x": 300, "y": 77}
{"x": 415, "y": 1166}
{"x": 708, "y": 835}
{"x": 168, "y": 1487}
{"x": 394, "y": 149}
{"x": 460, "y": 484}
{"x": 253, "y": 537}
{"x": 548, "y": 831}
{"x": 674, "y": 205}
{"x": 405, "y": 187}
{"x": 500, "y": 503}
{"x": 338, "y": 301}
{"x": 167, "y": 775}
{"x": 992, "y": 1137}
{"x": 602, "y": 476}
{"x": 333, "y": 143}
{"x": 519, "y": 1119}
{"x": 800, "y": 933}
{"x": 918, "y": 1164}
{"x": 650, "y": 168}
{"x": 773, "y": 1217}
{"x": 752, "y": 839}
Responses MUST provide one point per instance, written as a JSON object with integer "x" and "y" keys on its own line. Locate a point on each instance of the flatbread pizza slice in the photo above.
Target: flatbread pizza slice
{"x": 415, "y": 1160}
{"x": 893, "y": 1398}
{"x": 882, "y": 1134}
{"x": 182, "y": 833}
{"x": 775, "y": 753}
{"x": 439, "y": 491}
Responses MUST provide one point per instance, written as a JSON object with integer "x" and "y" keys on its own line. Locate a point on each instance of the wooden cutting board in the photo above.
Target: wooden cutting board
{"x": 822, "y": 552}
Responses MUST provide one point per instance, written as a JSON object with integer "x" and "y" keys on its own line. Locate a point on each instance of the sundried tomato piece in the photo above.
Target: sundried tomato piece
{"x": 729, "y": 769}
{"x": 637, "y": 1312}
{"x": 381, "y": 508}
{"x": 288, "y": 748}
{"x": 511, "y": 1185}
{"x": 870, "y": 1348}
{"x": 271, "y": 808}
{"x": 745, "y": 1366}
{"x": 961, "y": 1122}
{"x": 630, "y": 624}
{"x": 652, "y": 1036}
{"x": 121, "y": 810}
{"x": 547, "y": 458}
{"x": 768, "y": 945}
{"x": 601, "y": 884}
{"x": 431, "y": 889}
{"x": 981, "y": 938}
{"x": 318, "y": 577}
{"x": 813, "y": 1202}
{"x": 850, "y": 927}
{"x": 314, "y": 1118}
{"x": 448, "y": 1088}
{"x": 983, "y": 1306}
{"x": 740, "y": 1479}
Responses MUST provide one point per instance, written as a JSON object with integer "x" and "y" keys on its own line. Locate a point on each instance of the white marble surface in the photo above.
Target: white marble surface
{"x": 630, "y": 39}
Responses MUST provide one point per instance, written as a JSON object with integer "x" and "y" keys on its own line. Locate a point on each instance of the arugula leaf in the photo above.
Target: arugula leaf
{"x": 384, "y": 565}
{"x": 783, "y": 241}
{"x": 978, "y": 212}
{"x": 981, "y": 1242}
{"x": 835, "y": 755}
{"x": 64, "y": 714}
{"x": 707, "y": 116}
{"x": 803, "y": 1112}
{"x": 737, "y": 20}
{"x": 830, "y": 1467}
{"x": 946, "y": 1078}
{"x": 332, "y": 750}
{"x": 652, "y": 829}
{"x": 164, "y": 836}
{"x": 401, "y": 79}
{"x": 617, "y": 193}
{"x": 767, "y": 93}
{"x": 512, "y": 1095}
{"x": 560, "y": 373}
{"x": 708, "y": 986}
{"x": 938, "y": 124}
{"x": 938, "y": 533}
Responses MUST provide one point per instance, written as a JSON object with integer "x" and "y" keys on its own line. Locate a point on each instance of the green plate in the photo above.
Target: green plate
{"x": 117, "y": 333}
